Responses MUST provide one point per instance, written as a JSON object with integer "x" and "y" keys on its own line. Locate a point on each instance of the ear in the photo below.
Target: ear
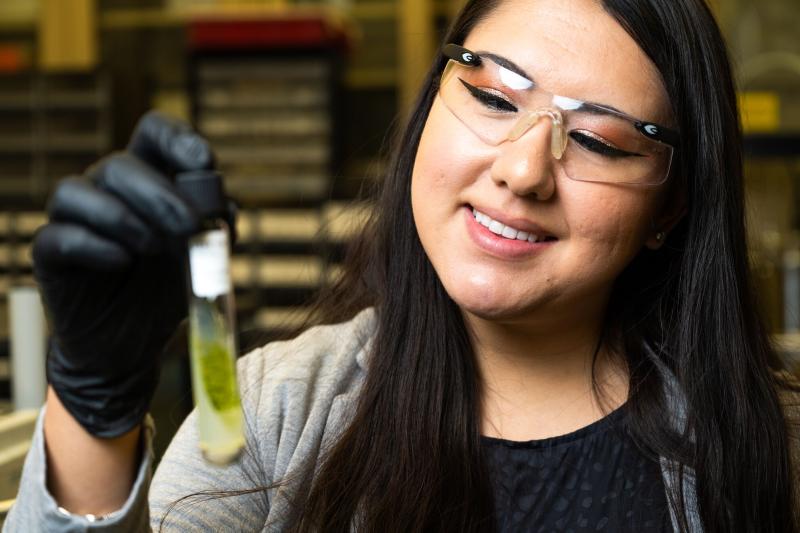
{"x": 673, "y": 210}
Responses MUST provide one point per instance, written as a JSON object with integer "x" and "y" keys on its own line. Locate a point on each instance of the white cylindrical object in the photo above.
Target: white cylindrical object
{"x": 28, "y": 348}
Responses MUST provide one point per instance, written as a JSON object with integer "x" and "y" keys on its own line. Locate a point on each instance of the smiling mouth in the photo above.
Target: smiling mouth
{"x": 508, "y": 232}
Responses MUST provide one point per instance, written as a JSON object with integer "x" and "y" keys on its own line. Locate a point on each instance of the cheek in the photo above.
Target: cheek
{"x": 429, "y": 171}
{"x": 617, "y": 224}
{"x": 448, "y": 149}
{"x": 428, "y": 180}
{"x": 446, "y": 164}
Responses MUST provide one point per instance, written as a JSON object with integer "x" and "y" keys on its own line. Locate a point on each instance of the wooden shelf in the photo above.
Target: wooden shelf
{"x": 166, "y": 17}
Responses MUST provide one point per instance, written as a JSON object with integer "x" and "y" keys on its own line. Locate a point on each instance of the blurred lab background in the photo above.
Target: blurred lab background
{"x": 299, "y": 99}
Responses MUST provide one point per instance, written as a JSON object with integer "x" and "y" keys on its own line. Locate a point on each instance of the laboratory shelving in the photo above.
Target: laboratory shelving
{"x": 264, "y": 92}
{"x": 51, "y": 125}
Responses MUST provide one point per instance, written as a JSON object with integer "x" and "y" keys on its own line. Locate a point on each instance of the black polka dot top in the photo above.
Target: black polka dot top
{"x": 593, "y": 479}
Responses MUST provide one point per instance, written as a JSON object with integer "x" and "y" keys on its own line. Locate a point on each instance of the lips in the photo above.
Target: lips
{"x": 520, "y": 230}
{"x": 508, "y": 244}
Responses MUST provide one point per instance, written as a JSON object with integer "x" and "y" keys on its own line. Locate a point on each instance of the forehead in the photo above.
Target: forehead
{"x": 575, "y": 48}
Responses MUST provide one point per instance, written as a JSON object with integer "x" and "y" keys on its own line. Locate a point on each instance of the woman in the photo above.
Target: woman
{"x": 550, "y": 325}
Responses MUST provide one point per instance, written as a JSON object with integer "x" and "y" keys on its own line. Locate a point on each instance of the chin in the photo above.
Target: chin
{"x": 492, "y": 307}
{"x": 483, "y": 295}
{"x": 496, "y": 313}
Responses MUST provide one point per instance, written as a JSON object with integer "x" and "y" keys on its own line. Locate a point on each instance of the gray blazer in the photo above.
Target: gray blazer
{"x": 296, "y": 396}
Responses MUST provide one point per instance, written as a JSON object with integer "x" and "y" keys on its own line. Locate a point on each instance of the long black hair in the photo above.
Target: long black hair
{"x": 410, "y": 458}
{"x": 696, "y": 295}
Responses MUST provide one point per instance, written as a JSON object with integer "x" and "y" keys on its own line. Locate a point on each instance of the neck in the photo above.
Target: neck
{"x": 537, "y": 376}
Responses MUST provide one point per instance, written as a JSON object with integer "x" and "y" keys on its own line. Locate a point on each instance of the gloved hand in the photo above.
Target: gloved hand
{"x": 110, "y": 266}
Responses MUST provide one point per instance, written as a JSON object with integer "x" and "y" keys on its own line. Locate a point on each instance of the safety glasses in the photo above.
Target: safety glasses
{"x": 496, "y": 100}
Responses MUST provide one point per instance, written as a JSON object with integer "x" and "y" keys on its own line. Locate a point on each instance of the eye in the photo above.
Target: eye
{"x": 490, "y": 100}
{"x": 598, "y": 146}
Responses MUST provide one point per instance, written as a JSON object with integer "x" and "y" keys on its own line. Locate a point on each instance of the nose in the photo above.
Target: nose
{"x": 526, "y": 165}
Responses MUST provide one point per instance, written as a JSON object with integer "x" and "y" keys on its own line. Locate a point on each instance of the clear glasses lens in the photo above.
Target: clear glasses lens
{"x": 499, "y": 105}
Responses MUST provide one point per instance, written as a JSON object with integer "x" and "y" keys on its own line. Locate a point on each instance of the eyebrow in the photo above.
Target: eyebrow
{"x": 594, "y": 107}
{"x": 507, "y": 63}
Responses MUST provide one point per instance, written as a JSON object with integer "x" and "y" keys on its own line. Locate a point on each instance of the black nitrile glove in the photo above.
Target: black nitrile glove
{"x": 110, "y": 265}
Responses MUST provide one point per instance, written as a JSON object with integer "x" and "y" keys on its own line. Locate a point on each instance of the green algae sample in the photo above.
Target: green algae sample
{"x": 217, "y": 373}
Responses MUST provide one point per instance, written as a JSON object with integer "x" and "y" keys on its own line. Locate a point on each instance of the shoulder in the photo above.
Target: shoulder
{"x": 320, "y": 354}
{"x": 298, "y": 393}
{"x": 295, "y": 394}
{"x": 788, "y": 386}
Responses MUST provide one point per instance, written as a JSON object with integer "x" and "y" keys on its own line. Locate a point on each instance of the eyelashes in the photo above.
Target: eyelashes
{"x": 490, "y": 100}
{"x": 590, "y": 141}
{"x": 597, "y": 146}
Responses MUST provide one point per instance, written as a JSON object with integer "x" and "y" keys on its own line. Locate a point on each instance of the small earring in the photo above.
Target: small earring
{"x": 660, "y": 236}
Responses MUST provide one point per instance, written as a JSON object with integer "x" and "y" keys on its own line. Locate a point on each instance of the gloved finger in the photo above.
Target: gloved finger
{"x": 59, "y": 245}
{"x": 75, "y": 200}
{"x": 170, "y": 144}
{"x": 147, "y": 192}
{"x": 230, "y": 217}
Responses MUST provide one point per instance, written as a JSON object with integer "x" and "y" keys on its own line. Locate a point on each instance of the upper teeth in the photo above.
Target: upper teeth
{"x": 506, "y": 231}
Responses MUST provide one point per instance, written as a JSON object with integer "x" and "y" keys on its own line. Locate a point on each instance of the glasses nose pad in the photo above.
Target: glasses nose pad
{"x": 558, "y": 135}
